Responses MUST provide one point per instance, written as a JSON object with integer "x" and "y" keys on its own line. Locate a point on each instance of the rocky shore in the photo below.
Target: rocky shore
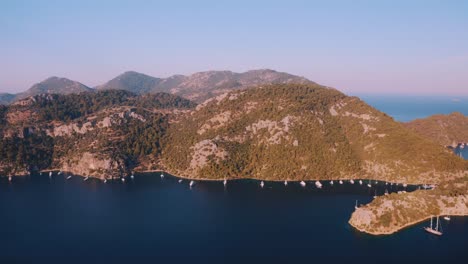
{"x": 389, "y": 214}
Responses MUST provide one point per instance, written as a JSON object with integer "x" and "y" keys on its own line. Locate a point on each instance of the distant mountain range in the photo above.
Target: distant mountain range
{"x": 196, "y": 87}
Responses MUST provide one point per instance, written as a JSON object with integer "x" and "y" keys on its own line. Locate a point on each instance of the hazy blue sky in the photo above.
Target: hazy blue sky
{"x": 356, "y": 46}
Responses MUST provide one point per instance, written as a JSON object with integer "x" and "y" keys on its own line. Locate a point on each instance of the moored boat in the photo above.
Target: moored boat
{"x": 435, "y": 231}
{"x": 318, "y": 184}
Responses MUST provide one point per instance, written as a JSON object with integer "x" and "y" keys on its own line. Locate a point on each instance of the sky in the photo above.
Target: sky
{"x": 382, "y": 47}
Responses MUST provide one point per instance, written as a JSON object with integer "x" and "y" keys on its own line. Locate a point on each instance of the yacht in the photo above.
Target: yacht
{"x": 303, "y": 184}
{"x": 331, "y": 182}
{"x": 86, "y": 178}
{"x": 285, "y": 183}
{"x": 341, "y": 182}
{"x": 318, "y": 184}
{"x": 351, "y": 181}
{"x": 180, "y": 180}
{"x": 262, "y": 184}
{"x": 434, "y": 230}
{"x": 360, "y": 182}
{"x": 191, "y": 183}
{"x": 162, "y": 175}
{"x": 69, "y": 177}
{"x": 447, "y": 217}
{"x": 225, "y": 182}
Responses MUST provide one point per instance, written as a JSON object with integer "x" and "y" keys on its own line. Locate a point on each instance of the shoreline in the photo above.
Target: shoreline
{"x": 345, "y": 180}
{"x": 407, "y": 225}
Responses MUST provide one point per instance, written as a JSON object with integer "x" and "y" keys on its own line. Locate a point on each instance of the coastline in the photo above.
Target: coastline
{"x": 407, "y": 225}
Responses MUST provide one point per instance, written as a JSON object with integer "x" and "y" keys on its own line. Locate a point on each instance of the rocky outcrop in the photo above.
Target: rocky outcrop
{"x": 389, "y": 214}
{"x": 95, "y": 165}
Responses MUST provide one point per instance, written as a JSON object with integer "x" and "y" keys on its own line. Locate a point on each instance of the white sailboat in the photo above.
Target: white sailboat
{"x": 180, "y": 180}
{"x": 331, "y": 182}
{"x": 86, "y": 178}
{"x": 318, "y": 184}
{"x": 69, "y": 177}
{"x": 123, "y": 179}
{"x": 351, "y": 181}
{"x": 303, "y": 184}
{"x": 50, "y": 174}
{"x": 191, "y": 183}
{"x": 341, "y": 182}
{"x": 225, "y": 182}
{"x": 447, "y": 217}
{"x": 434, "y": 231}
{"x": 360, "y": 182}
{"x": 262, "y": 184}
{"x": 9, "y": 178}
{"x": 162, "y": 175}
{"x": 285, "y": 183}
{"x": 105, "y": 180}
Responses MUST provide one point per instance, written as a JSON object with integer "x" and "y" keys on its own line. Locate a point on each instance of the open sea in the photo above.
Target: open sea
{"x": 159, "y": 220}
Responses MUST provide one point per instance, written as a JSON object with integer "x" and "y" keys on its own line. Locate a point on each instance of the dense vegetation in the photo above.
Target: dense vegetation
{"x": 69, "y": 107}
{"x": 33, "y": 151}
{"x": 133, "y": 132}
{"x": 329, "y": 135}
{"x": 447, "y": 130}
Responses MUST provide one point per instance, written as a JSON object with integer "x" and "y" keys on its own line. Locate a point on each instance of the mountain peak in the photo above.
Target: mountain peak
{"x": 54, "y": 85}
{"x": 200, "y": 85}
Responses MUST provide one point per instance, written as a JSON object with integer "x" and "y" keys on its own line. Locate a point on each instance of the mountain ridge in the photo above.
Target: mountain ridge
{"x": 197, "y": 87}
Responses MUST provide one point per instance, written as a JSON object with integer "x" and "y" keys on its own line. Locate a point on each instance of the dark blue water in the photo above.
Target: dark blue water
{"x": 163, "y": 220}
{"x": 406, "y": 108}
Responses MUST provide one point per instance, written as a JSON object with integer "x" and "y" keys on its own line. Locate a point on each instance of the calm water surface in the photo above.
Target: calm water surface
{"x": 149, "y": 218}
{"x": 406, "y": 108}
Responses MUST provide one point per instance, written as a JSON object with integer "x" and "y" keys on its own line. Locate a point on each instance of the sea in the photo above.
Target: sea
{"x": 150, "y": 219}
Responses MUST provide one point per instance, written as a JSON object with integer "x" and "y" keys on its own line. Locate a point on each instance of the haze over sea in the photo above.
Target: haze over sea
{"x": 405, "y": 108}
